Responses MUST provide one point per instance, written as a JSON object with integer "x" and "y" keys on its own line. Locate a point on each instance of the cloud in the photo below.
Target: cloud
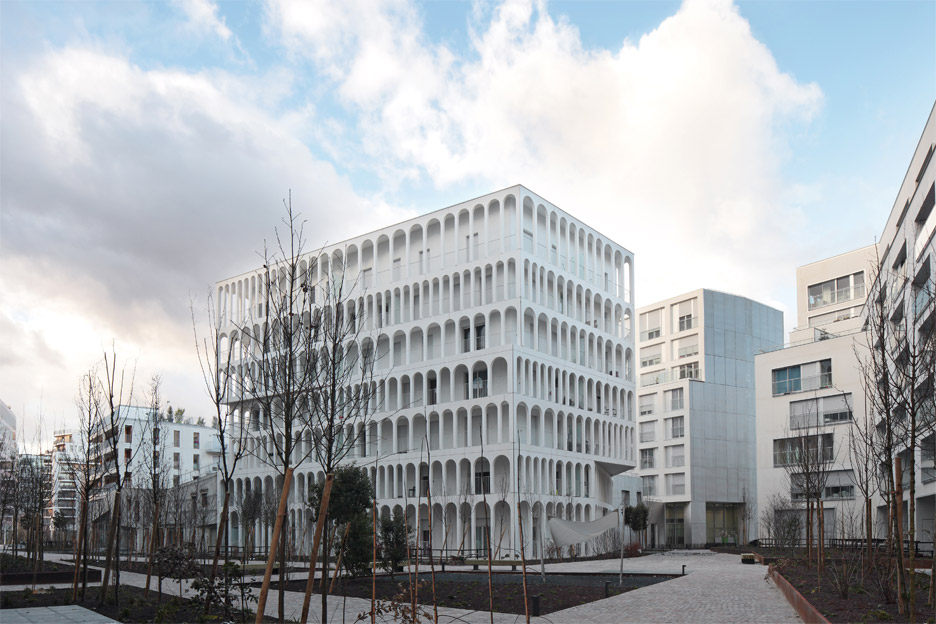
{"x": 203, "y": 16}
{"x": 673, "y": 144}
{"x": 127, "y": 191}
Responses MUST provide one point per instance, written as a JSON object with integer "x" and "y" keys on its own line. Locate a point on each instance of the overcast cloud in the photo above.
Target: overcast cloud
{"x": 128, "y": 190}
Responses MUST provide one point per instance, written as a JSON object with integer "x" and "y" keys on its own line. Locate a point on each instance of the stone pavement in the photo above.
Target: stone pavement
{"x": 717, "y": 588}
{"x": 70, "y": 614}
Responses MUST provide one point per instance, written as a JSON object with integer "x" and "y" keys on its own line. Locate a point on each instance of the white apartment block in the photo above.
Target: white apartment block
{"x": 187, "y": 452}
{"x": 65, "y": 459}
{"x": 696, "y": 414}
{"x": 809, "y": 391}
{"x": 907, "y": 285}
{"x": 501, "y": 321}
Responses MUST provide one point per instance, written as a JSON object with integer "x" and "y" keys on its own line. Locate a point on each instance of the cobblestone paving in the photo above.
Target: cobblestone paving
{"x": 716, "y": 588}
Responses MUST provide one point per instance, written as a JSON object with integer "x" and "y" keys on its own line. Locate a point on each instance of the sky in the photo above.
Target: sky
{"x": 146, "y": 148}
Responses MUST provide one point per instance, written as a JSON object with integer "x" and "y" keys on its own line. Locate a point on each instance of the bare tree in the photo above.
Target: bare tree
{"x": 154, "y": 461}
{"x": 282, "y": 349}
{"x": 217, "y": 356}
{"x": 86, "y": 472}
{"x": 116, "y": 389}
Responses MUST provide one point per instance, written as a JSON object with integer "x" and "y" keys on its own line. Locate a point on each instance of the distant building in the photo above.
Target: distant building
{"x": 7, "y": 422}
{"x": 809, "y": 390}
{"x": 65, "y": 462}
{"x": 695, "y": 404}
{"x": 186, "y": 452}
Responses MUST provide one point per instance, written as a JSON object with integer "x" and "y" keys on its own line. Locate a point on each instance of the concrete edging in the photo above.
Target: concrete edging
{"x": 807, "y": 612}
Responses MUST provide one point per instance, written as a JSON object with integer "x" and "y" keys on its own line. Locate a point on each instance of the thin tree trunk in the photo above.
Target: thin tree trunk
{"x": 108, "y": 560}
{"x": 344, "y": 540}
{"x": 526, "y": 604}
{"x": 152, "y": 550}
{"x": 373, "y": 601}
{"x": 271, "y": 556}
{"x": 898, "y": 535}
{"x": 316, "y": 541}
{"x": 78, "y": 547}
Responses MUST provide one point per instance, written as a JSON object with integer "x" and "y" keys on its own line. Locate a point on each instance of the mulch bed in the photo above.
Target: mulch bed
{"x": 133, "y": 608}
{"x": 469, "y": 590}
{"x": 863, "y": 604}
{"x": 11, "y": 564}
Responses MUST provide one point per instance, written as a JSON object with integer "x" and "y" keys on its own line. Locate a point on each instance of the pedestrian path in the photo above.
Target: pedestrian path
{"x": 716, "y": 588}
{"x": 69, "y": 614}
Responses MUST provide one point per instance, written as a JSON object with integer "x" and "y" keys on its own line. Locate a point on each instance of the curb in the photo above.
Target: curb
{"x": 807, "y": 612}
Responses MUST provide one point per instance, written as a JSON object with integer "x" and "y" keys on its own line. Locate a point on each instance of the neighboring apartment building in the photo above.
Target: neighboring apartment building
{"x": 907, "y": 289}
{"x": 187, "y": 452}
{"x": 696, "y": 414}
{"x": 65, "y": 463}
{"x": 809, "y": 393}
{"x": 7, "y": 450}
{"x": 501, "y": 321}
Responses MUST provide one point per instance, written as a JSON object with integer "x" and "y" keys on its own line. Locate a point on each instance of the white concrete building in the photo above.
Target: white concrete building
{"x": 696, "y": 414}
{"x": 188, "y": 452}
{"x": 907, "y": 286}
{"x": 65, "y": 457}
{"x": 501, "y": 320}
{"x": 811, "y": 388}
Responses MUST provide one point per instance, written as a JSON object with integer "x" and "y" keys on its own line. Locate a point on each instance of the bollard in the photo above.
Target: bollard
{"x": 684, "y": 569}
{"x": 535, "y": 604}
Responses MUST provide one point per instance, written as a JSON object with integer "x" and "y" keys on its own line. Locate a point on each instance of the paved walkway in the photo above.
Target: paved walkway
{"x": 70, "y": 614}
{"x": 717, "y": 588}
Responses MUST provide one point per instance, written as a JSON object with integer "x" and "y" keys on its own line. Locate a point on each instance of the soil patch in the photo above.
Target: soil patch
{"x": 864, "y": 603}
{"x": 10, "y": 564}
{"x": 133, "y": 607}
{"x": 469, "y": 590}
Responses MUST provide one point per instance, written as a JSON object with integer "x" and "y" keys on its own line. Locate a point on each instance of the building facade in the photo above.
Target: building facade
{"x": 905, "y": 289}
{"x": 504, "y": 335}
{"x": 696, "y": 414}
{"x": 65, "y": 460}
{"x": 809, "y": 394}
{"x": 186, "y": 452}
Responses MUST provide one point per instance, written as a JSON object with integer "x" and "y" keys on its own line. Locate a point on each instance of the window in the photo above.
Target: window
{"x": 176, "y": 438}
{"x": 466, "y": 339}
{"x": 479, "y": 336}
{"x": 175, "y": 481}
{"x": 648, "y": 484}
{"x": 649, "y": 379}
{"x": 128, "y": 434}
{"x": 651, "y": 356}
{"x": 195, "y": 440}
{"x": 647, "y": 458}
{"x": 789, "y": 451}
{"x": 839, "y": 491}
{"x": 647, "y": 404}
{"x": 176, "y": 460}
{"x": 686, "y": 347}
{"x": 675, "y": 427}
{"x": 479, "y": 384}
{"x": 689, "y": 371}
{"x": 127, "y": 455}
{"x": 684, "y": 315}
{"x": 195, "y": 465}
{"x": 397, "y": 268}
{"x": 647, "y": 431}
{"x": 650, "y": 324}
{"x": 675, "y": 456}
{"x": 483, "y": 482}
{"x": 625, "y": 498}
{"x": 676, "y": 484}
{"x": 786, "y": 380}
{"x": 675, "y": 399}
{"x": 837, "y": 290}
